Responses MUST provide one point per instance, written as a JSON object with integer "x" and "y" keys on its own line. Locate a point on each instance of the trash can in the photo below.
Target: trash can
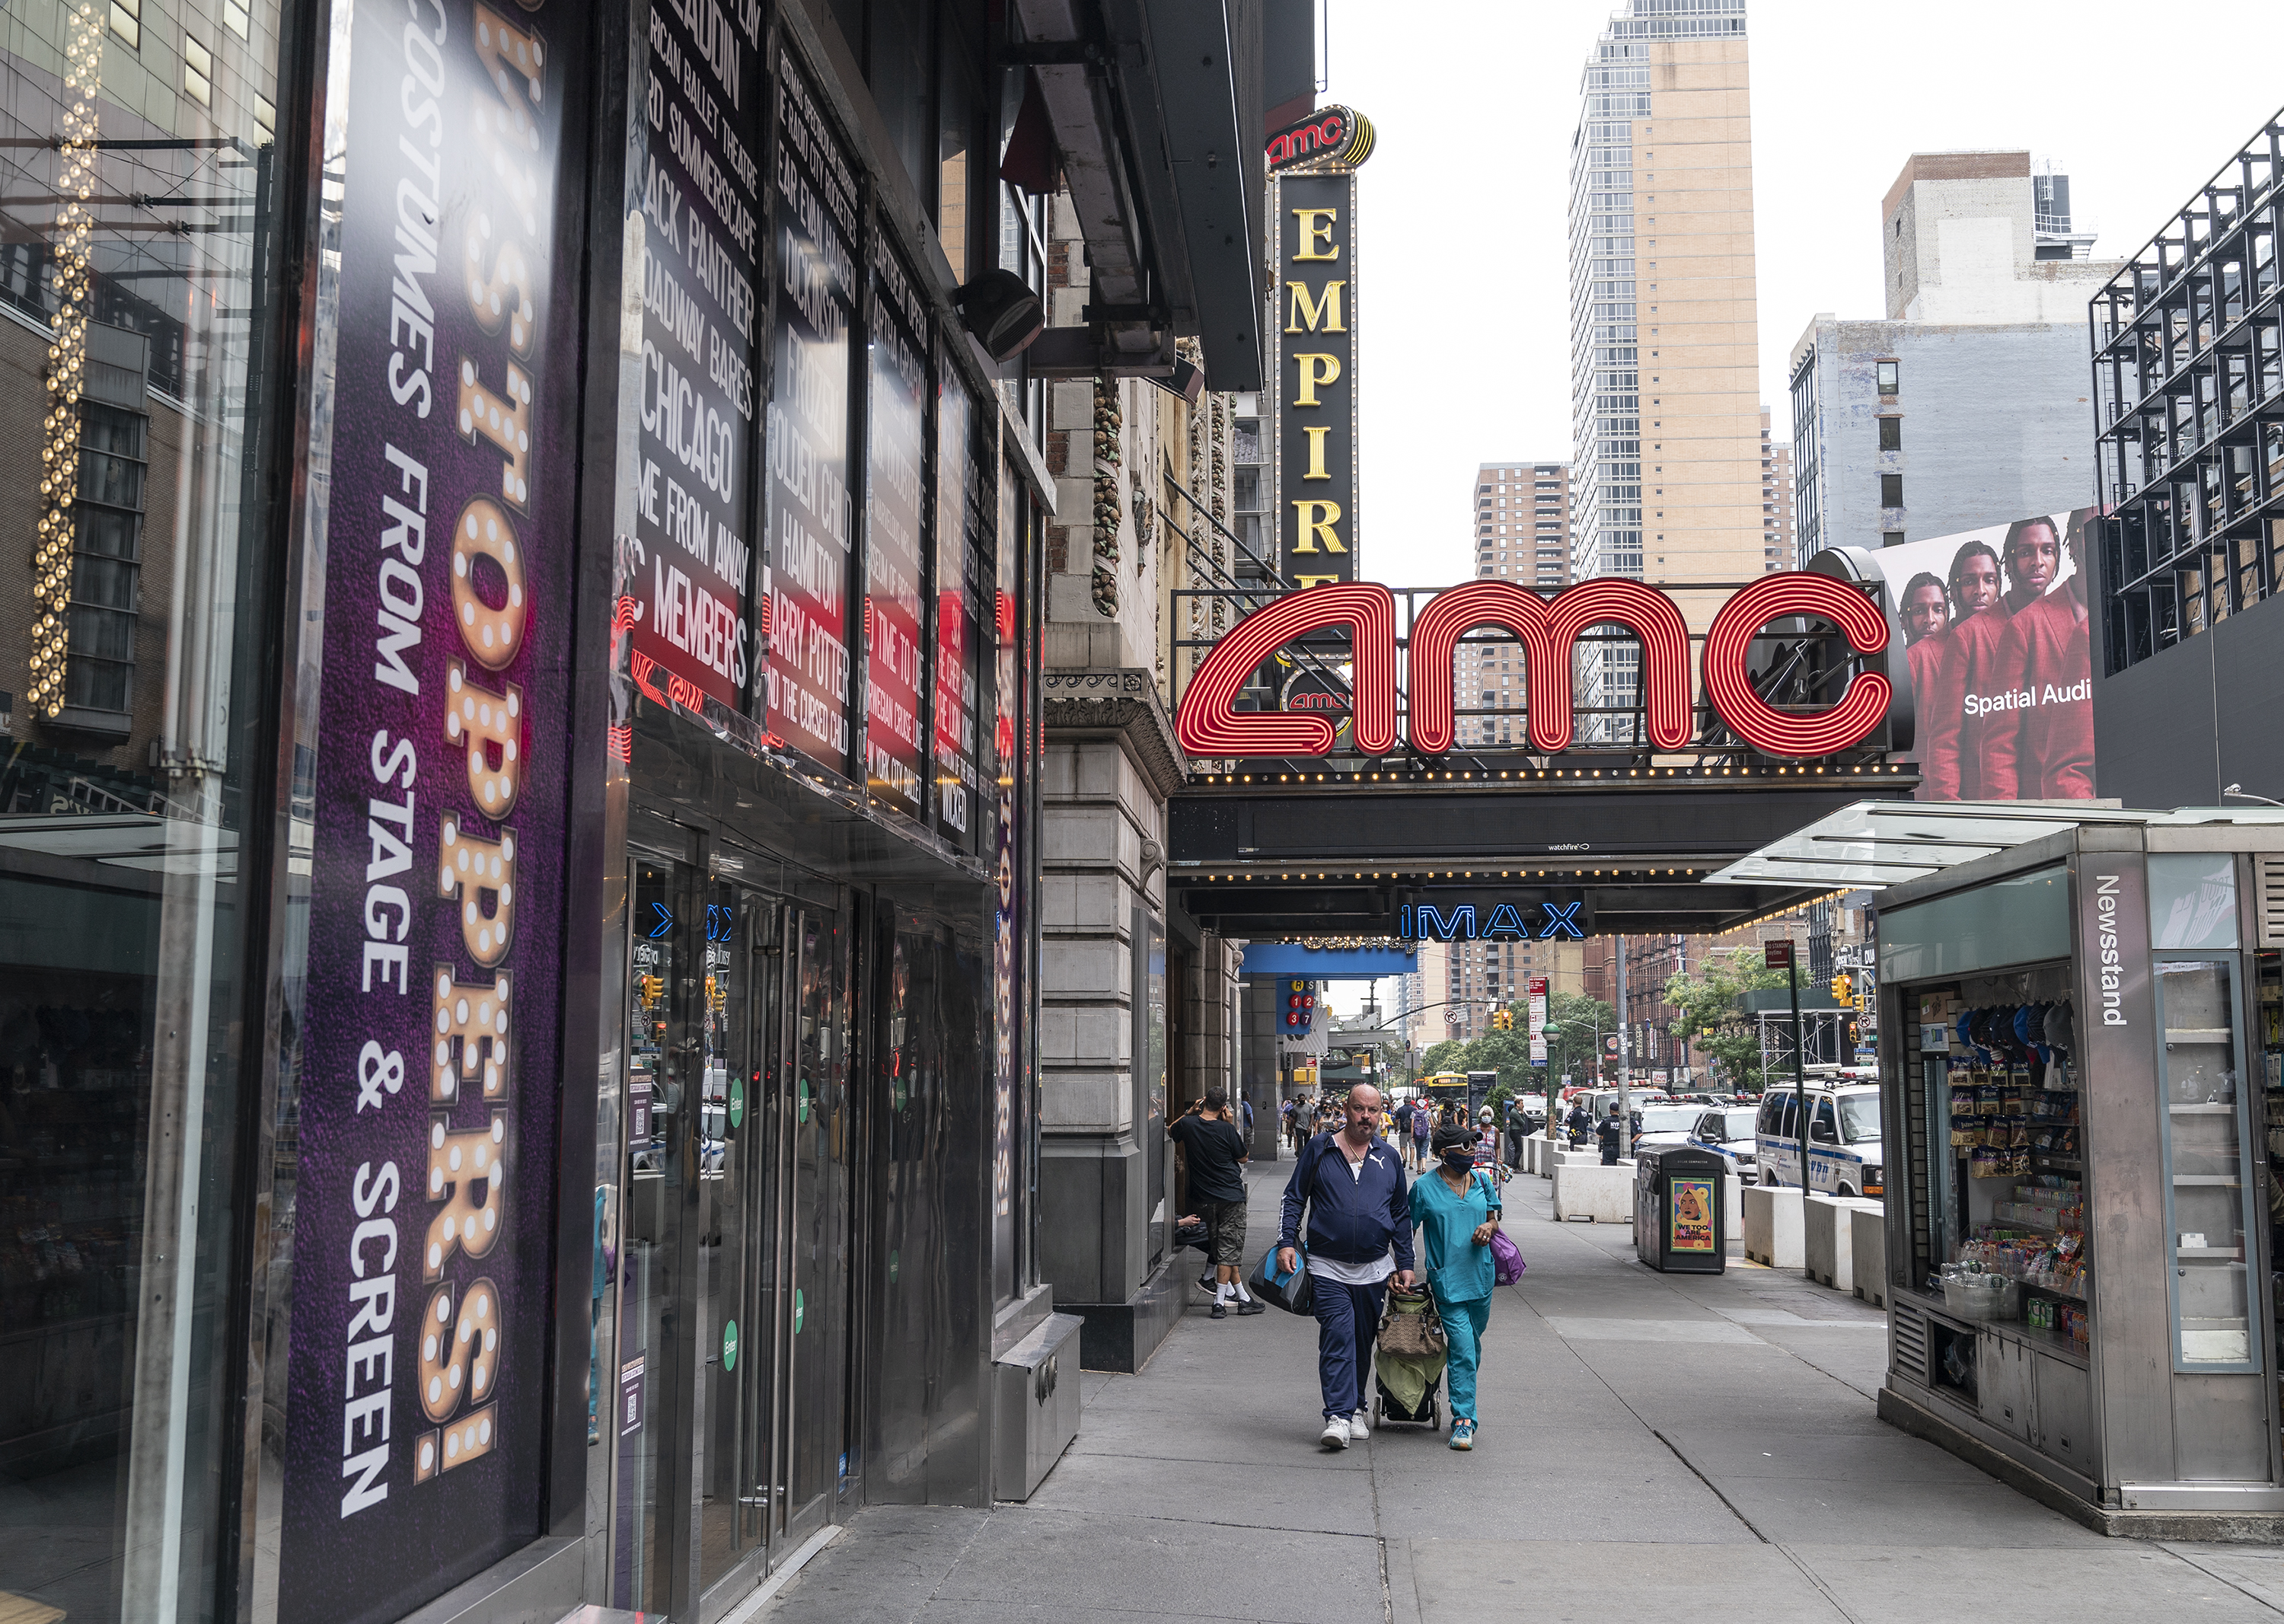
{"x": 1680, "y": 1210}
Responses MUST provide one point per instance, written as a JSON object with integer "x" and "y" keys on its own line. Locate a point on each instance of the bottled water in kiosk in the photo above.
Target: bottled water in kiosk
{"x": 2080, "y": 1053}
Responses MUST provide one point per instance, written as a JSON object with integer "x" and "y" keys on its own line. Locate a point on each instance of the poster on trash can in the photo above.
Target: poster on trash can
{"x": 1689, "y": 1217}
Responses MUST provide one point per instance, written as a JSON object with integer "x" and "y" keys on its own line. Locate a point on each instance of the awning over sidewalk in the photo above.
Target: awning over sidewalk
{"x": 1871, "y": 844}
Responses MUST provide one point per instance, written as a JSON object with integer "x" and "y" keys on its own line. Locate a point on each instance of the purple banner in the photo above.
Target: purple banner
{"x": 422, "y": 1218}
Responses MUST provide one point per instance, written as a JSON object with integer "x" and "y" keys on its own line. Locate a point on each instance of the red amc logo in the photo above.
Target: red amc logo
{"x": 1209, "y": 722}
{"x": 1336, "y": 135}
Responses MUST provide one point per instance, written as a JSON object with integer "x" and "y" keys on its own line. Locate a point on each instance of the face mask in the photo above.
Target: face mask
{"x": 1458, "y": 1161}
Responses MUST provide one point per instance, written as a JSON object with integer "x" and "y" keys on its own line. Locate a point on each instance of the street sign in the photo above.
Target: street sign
{"x": 1776, "y": 955}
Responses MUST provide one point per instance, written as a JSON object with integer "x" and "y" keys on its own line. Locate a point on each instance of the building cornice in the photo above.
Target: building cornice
{"x": 1122, "y": 702}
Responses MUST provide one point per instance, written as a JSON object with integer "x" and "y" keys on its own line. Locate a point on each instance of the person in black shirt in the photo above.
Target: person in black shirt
{"x": 1214, "y": 1151}
{"x": 1612, "y": 1134}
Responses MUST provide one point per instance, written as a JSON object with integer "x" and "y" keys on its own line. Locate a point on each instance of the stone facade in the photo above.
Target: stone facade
{"x": 1109, "y": 1186}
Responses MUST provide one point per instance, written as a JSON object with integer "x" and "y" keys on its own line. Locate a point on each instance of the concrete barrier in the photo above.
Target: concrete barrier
{"x": 1604, "y": 1195}
{"x": 1773, "y": 1226}
{"x": 1828, "y": 1239}
{"x": 1867, "y": 1232}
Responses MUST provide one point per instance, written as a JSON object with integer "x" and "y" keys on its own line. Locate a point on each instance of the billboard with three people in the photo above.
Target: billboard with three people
{"x": 1996, "y": 656}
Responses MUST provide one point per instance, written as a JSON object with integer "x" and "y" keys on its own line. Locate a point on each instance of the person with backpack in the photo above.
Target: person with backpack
{"x": 1403, "y": 1130}
{"x": 1456, "y": 1211}
{"x": 1423, "y": 1124}
{"x": 1214, "y": 1154}
{"x": 1351, "y": 1184}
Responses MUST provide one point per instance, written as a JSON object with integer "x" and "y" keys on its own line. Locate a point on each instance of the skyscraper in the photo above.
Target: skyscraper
{"x": 1780, "y": 540}
{"x": 1664, "y": 374}
{"x": 1522, "y": 534}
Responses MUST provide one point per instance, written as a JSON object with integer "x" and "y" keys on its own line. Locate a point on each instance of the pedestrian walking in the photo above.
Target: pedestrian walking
{"x": 1455, "y": 1210}
{"x": 1403, "y": 1119}
{"x": 1610, "y": 1133}
{"x": 1423, "y": 1125}
{"x": 1214, "y": 1154}
{"x": 1351, "y": 1188}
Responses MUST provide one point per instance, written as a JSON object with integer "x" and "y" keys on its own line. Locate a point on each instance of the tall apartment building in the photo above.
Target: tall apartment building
{"x": 1471, "y": 980}
{"x": 1779, "y": 539}
{"x": 1968, "y": 404}
{"x": 1664, "y": 372}
{"x": 1522, "y": 534}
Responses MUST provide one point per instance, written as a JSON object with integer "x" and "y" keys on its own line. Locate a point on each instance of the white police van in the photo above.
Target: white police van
{"x": 1845, "y": 1154}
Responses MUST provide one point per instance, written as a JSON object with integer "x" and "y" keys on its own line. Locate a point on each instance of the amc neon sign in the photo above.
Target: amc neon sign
{"x": 1208, "y": 724}
{"x": 1330, "y": 134}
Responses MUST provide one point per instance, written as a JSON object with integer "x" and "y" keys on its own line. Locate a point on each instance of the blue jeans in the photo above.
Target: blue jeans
{"x": 1347, "y": 1319}
{"x": 1464, "y": 1324}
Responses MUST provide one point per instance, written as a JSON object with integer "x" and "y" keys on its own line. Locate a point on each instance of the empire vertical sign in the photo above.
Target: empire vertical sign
{"x": 1316, "y": 327}
{"x": 422, "y": 1216}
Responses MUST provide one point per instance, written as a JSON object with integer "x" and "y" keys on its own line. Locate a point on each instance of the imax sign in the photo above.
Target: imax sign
{"x": 1425, "y": 922}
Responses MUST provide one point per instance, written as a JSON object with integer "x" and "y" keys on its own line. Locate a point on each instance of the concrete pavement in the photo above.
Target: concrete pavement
{"x": 1651, "y": 1445}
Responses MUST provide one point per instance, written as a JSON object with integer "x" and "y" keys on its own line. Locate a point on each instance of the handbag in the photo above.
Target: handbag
{"x": 1291, "y": 1292}
{"x": 1506, "y": 1257}
{"x": 1410, "y": 1328}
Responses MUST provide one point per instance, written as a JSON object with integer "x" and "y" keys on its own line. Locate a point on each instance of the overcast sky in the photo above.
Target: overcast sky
{"x": 1463, "y": 254}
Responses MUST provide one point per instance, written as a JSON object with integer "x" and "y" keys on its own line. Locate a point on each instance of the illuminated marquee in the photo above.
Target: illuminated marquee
{"x": 1208, "y": 722}
{"x": 1428, "y": 922}
{"x": 1333, "y": 135}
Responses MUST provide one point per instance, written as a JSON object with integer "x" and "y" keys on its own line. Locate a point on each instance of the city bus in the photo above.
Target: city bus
{"x": 1442, "y": 1089}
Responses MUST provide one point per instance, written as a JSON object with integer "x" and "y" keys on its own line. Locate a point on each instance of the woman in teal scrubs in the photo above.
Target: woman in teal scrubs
{"x": 1455, "y": 1211}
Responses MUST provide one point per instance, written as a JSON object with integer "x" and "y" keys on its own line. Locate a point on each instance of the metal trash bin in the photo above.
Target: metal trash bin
{"x": 1681, "y": 1210}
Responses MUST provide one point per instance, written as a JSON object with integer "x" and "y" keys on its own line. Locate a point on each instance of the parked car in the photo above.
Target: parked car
{"x": 1663, "y": 1127}
{"x": 1844, "y": 1153}
{"x": 1728, "y": 1133}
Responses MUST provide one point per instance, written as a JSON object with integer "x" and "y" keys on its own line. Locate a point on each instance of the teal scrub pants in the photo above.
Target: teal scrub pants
{"x": 1464, "y": 1324}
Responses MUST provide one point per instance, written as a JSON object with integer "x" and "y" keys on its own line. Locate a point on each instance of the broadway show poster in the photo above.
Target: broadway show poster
{"x": 894, "y": 606}
{"x": 1999, "y": 662}
{"x": 421, "y": 1221}
{"x": 811, "y": 521}
{"x": 701, "y": 218}
{"x": 1689, "y": 1219}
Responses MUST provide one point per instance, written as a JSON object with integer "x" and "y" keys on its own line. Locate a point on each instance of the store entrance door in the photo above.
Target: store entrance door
{"x": 733, "y": 1400}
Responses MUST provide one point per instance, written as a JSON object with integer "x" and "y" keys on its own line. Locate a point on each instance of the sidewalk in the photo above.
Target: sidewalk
{"x": 1651, "y": 1445}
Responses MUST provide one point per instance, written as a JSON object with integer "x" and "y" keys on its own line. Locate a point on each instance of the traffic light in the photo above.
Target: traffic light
{"x": 1503, "y": 1020}
{"x": 1843, "y": 989}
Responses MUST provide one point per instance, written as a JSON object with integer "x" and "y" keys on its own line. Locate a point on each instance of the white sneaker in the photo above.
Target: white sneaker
{"x": 1360, "y": 1426}
{"x": 1335, "y": 1435}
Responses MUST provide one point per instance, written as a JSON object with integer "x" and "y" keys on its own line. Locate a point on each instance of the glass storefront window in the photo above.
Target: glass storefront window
{"x": 137, "y": 291}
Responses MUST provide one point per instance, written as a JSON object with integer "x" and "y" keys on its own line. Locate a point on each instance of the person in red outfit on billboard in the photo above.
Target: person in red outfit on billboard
{"x": 2043, "y": 748}
{"x": 1939, "y": 675}
{"x": 1926, "y": 609}
{"x": 2031, "y": 555}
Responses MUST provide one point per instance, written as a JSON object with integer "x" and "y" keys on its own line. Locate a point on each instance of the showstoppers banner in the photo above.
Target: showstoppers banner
{"x": 421, "y": 1218}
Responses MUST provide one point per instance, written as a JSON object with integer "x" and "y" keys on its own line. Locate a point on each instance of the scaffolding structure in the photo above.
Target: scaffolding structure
{"x": 2188, "y": 379}
{"x": 1825, "y": 1033}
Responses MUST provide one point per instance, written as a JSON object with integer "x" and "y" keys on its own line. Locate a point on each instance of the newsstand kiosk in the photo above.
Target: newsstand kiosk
{"x": 2079, "y": 1050}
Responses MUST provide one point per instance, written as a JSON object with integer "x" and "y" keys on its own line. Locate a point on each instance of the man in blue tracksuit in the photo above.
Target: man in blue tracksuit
{"x": 1351, "y": 1182}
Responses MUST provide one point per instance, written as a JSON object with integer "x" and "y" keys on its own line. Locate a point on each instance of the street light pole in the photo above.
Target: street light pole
{"x": 1625, "y": 1030}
